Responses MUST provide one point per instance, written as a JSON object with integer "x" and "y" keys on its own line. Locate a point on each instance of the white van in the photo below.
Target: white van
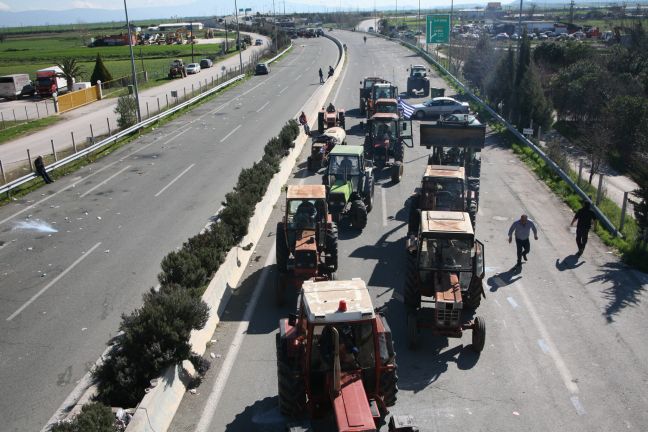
{"x": 11, "y": 86}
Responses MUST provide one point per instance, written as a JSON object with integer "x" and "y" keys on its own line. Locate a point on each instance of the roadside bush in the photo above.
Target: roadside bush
{"x": 182, "y": 268}
{"x": 94, "y": 417}
{"x": 127, "y": 110}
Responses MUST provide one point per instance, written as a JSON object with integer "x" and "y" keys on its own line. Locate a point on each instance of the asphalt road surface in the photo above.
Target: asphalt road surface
{"x": 78, "y": 253}
{"x": 565, "y": 345}
{"x": 102, "y": 113}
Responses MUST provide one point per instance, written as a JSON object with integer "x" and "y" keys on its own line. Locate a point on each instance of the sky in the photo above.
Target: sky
{"x": 221, "y": 6}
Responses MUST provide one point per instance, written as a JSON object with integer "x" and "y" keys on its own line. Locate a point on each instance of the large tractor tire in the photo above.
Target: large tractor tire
{"x": 292, "y": 392}
{"x": 479, "y": 334}
{"x": 369, "y": 193}
{"x": 396, "y": 172}
{"x": 342, "y": 120}
{"x": 282, "y": 251}
{"x": 412, "y": 292}
{"x": 362, "y": 107}
{"x": 426, "y": 88}
{"x": 280, "y": 289}
{"x": 414, "y": 217}
{"x": 399, "y": 152}
{"x": 389, "y": 386}
{"x": 473, "y": 298}
{"x": 320, "y": 122}
{"x": 358, "y": 215}
{"x": 412, "y": 331}
{"x": 331, "y": 255}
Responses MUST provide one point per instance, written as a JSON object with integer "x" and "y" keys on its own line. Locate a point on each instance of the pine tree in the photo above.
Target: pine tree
{"x": 532, "y": 105}
{"x": 100, "y": 72}
{"x": 500, "y": 83}
{"x": 480, "y": 60}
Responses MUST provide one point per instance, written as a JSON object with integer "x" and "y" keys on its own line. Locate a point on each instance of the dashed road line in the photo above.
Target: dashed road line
{"x": 92, "y": 189}
{"x": 263, "y": 106}
{"x": 175, "y": 179}
{"x": 512, "y": 301}
{"x": 230, "y": 134}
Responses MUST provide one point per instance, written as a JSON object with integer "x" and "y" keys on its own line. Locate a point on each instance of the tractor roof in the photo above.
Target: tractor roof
{"x": 385, "y": 101}
{"x": 306, "y": 192}
{"x": 374, "y": 79}
{"x": 384, "y": 116}
{"x": 445, "y": 171}
{"x": 418, "y": 67}
{"x": 450, "y": 223}
{"x": 322, "y": 301}
{"x": 383, "y": 85}
{"x": 347, "y": 150}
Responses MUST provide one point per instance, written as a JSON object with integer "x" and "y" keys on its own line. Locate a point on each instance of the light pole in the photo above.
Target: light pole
{"x": 274, "y": 25}
{"x": 132, "y": 56}
{"x": 238, "y": 36}
{"x": 192, "y": 41}
{"x": 450, "y": 38}
{"x": 519, "y": 41}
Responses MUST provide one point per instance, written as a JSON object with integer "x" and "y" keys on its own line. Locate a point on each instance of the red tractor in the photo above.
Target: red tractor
{"x": 336, "y": 355}
{"x": 330, "y": 117}
{"x": 306, "y": 239}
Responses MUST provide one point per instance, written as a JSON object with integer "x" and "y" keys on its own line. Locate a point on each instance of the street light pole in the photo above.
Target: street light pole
{"x": 274, "y": 24}
{"x": 192, "y": 42}
{"x": 132, "y": 56}
{"x": 238, "y": 36}
{"x": 519, "y": 32}
{"x": 450, "y": 38}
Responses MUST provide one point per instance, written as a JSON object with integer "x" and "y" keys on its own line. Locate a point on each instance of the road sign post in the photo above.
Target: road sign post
{"x": 438, "y": 28}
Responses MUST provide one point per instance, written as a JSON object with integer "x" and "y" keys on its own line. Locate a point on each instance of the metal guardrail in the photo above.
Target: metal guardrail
{"x": 112, "y": 139}
{"x": 563, "y": 175}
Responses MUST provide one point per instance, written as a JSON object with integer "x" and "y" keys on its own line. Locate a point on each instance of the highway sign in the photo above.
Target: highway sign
{"x": 438, "y": 28}
{"x": 527, "y": 131}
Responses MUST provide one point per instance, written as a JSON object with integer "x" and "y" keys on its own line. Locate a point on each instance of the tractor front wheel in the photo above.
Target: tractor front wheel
{"x": 369, "y": 193}
{"x": 399, "y": 152}
{"x": 282, "y": 251}
{"x": 320, "y": 122}
{"x": 479, "y": 334}
{"x": 331, "y": 253}
{"x": 292, "y": 393}
{"x": 358, "y": 215}
{"x": 342, "y": 120}
{"x": 397, "y": 172}
{"x": 473, "y": 299}
{"x": 388, "y": 386}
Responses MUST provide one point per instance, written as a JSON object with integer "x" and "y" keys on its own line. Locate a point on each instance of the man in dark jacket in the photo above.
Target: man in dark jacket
{"x": 584, "y": 216}
{"x": 40, "y": 169}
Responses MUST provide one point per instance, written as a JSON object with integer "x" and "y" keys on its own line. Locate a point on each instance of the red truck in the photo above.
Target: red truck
{"x": 49, "y": 81}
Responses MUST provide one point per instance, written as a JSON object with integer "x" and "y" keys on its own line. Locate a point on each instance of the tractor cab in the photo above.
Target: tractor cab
{"x": 384, "y": 92}
{"x": 418, "y": 83}
{"x": 446, "y": 265}
{"x": 306, "y": 244}
{"x": 457, "y": 144}
{"x": 388, "y": 106}
{"x": 335, "y": 355}
{"x": 418, "y": 71}
{"x": 365, "y": 91}
{"x": 322, "y": 145}
{"x": 350, "y": 184}
{"x": 443, "y": 188}
{"x": 385, "y": 138}
{"x": 329, "y": 117}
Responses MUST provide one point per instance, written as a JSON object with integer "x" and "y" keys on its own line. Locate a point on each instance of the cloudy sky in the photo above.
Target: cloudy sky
{"x": 221, "y": 6}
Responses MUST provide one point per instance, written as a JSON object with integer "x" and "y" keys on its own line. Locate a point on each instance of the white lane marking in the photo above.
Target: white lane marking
{"x": 175, "y": 179}
{"x": 512, "y": 301}
{"x": 298, "y": 76}
{"x": 89, "y": 191}
{"x": 543, "y": 346}
{"x": 100, "y": 170}
{"x": 384, "y": 207}
{"x": 233, "y": 350}
{"x": 580, "y": 410}
{"x": 230, "y": 134}
{"x": 563, "y": 370}
{"x": 263, "y": 106}
{"x": 52, "y": 282}
{"x": 283, "y": 89}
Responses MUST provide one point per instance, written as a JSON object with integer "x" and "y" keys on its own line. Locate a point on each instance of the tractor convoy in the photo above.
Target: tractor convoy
{"x": 335, "y": 356}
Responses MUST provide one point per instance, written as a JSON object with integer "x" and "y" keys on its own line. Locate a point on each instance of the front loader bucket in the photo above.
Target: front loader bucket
{"x": 351, "y": 407}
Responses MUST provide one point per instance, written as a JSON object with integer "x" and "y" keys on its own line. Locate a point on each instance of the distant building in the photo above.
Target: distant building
{"x": 167, "y": 27}
{"x": 115, "y": 40}
{"x": 472, "y": 14}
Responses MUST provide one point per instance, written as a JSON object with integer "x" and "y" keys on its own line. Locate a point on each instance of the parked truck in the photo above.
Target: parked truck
{"x": 50, "y": 80}
{"x": 15, "y": 86}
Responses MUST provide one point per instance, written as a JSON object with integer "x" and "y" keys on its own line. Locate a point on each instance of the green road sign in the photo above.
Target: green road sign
{"x": 438, "y": 29}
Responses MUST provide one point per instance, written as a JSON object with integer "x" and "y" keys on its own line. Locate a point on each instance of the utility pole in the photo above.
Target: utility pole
{"x": 419, "y": 20}
{"x": 450, "y": 37}
{"x": 519, "y": 32}
{"x": 238, "y": 35}
{"x": 192, "y": 41}
{"x": 571, "y": 11}
{"x": 130, "y": 46}
{"x": 274, "y": 25}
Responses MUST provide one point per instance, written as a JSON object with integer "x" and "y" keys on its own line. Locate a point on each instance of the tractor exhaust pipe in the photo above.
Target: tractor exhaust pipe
{"x": 337, "y": 369}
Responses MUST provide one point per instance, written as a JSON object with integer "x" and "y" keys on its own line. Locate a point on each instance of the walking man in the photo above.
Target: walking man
{"x": 584, "y": 216}
{"x": 40, "y": 169}
{"x": 522, "y": 228}
{"x": 321, "y": 74}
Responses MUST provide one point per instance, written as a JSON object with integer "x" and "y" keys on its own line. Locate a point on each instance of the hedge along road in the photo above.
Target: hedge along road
{"x": 63, "y": 292}
{"x": 563, "y": 349}
{"x": 80, "y": 119}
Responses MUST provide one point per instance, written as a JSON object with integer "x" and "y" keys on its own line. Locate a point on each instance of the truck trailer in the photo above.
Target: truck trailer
{"x": 14, "y": 86}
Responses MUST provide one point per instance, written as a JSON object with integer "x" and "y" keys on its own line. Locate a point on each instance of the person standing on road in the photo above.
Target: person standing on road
{"x": 584, "y": 216}
{"x": 41, "y": 171}
{"x": 365, "y": 39}
{"x": 304, "y": 122}
{"x": 321, "y": 75}
{"x": 522, "y": 228}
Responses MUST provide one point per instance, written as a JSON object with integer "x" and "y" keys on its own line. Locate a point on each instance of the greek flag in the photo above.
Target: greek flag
{"x": 406, "y": 109}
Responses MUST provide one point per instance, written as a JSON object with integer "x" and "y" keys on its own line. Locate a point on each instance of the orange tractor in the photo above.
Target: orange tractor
{"x": 306, "y": 239}
{"x": 330, "y": 117}
{"x": 336, "y": 356}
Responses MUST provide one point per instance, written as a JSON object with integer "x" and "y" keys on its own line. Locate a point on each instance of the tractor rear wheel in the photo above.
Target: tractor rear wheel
{"x": 473, "y": 299}
{"x": 412, "y": 330}
{"x": 309, "y": 164}
{"x": 362, "y": 107}
{"x": 342, "y": 120}
{"x": 358, "y": 214}
{"x": 331, "y": 253}
{"x": 320, "y": 122}
{"x": 369, "y": 193}
{"x": 414, "y": 215}
{"x": 399, "y": 152}
{"x": 280, "y": 289}
{"x": 397, "y": 171}
{"x": 292, "y": 393}
{"x": 479, "y": 334}
{"x": 388, "y": 386}
{"x": 412, "y": 293}
{"x": 282, "y": 251}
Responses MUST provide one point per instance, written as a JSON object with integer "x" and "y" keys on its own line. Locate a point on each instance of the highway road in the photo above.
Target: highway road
{"x": 78, "y": 253}
{"x": 565, "y": 345}
{"x": 100, "y": 114}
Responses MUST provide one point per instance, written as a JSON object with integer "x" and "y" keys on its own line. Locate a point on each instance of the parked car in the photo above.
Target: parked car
{"x": 258, "y": 42}
{"x": 262, "y": 69}
{"x": 579, "y": 35}
{"x": 371, "y": 30}
{"x": 543, "y": 36}
{"x": 502, "y": 36}
{"x": 439, "y": 106}
{"x": 465, "y": 119}
{"x": 193, "y": 68}
{"x": 206, "y": 64}
{"x": 514, "y": 36}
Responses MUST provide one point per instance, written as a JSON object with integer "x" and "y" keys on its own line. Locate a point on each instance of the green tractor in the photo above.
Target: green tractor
{"x": 350, "y": 185}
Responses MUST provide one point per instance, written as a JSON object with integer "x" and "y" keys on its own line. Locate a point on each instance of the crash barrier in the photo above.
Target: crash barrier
{"x": 159, "y": 405}
{"x": 554, "y": 167}
{"x": 76, "y": 99}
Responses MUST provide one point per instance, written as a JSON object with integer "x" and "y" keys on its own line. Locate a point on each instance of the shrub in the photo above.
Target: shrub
{"x": 127, "y": 110}
{"x": 100, "y": 72}
{"x": 94, "y": 417}
{"x": 182, "y": 268}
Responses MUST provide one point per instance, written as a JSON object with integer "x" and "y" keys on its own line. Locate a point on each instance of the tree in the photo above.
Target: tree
{"x": 127, "y": 110}
{"x": 595, "y": 140}
{"x": 500, "y": 83}
{"x": 640, "y": 201}
{"x": 531, "y": 103}
{"x": 71, "y": 70}
{"x": 100, "y": 72}
{"x": 627, "y": 118}
{"x": 94, "y": 417}
{"x": 480, "y": 60}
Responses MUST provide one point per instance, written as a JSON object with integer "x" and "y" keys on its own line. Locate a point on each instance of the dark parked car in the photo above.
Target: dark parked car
{"x": 206, "y": 63}
{"x": 262, "y": 69}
